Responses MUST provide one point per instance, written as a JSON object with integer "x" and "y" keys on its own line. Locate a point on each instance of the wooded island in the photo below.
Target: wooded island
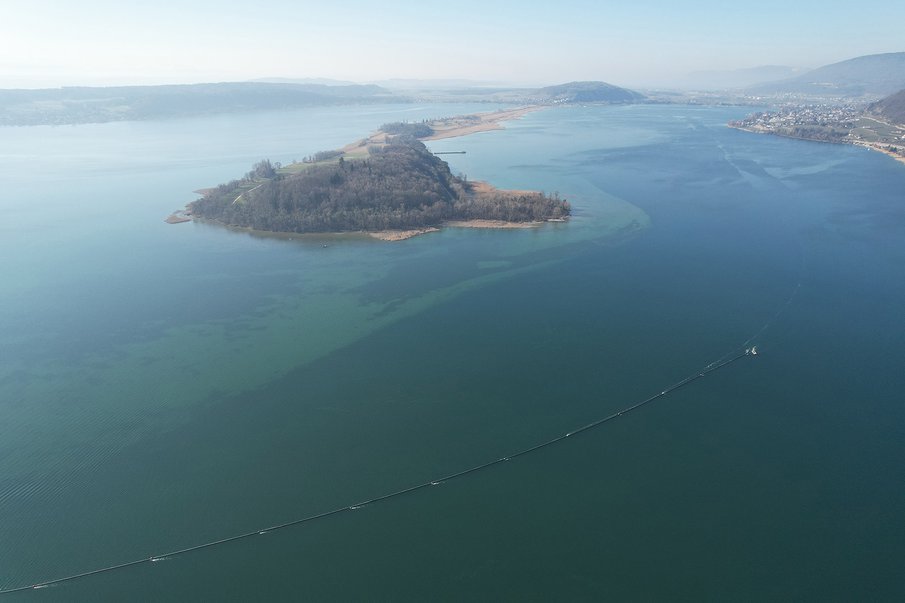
{"x": 396, "y": 185}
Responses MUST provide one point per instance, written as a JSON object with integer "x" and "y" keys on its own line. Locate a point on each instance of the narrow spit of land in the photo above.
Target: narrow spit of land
{"x": 447, "y": 127}
{"x": 387, "y": 185}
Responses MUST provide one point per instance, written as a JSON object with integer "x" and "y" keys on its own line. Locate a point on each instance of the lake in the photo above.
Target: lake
{"x": 163, "y": 386}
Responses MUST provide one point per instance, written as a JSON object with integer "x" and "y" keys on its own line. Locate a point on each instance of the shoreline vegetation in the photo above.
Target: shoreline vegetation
{"x": 387, "y": 186}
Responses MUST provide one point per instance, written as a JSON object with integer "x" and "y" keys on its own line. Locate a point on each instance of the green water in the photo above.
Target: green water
{"x": 167, "y": 385}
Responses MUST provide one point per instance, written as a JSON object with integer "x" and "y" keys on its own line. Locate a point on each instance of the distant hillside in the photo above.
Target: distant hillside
{"x": 434, "y": 84}
{"x": 737, "y": 78}
{"x": 93, "y": 105}
{"x": 872, "y": 75}
{"x": 890, "y": 109}
{"x": 587, "y": 92}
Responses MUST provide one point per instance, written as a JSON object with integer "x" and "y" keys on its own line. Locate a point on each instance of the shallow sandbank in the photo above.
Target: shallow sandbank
{"x": 178, "y": 217}
{"x": 879, "y": 147}
{"x": 448, "y": 127}
{"x": 480, "y": 122}
{"x": 400, "y": 235}
{"x": 490, "y": 224}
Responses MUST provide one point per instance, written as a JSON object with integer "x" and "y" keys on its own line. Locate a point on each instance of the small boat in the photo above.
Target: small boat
{"x": 754, "y": 351}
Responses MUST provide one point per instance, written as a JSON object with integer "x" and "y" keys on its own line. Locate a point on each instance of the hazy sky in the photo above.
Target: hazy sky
{"x": 66, "y": 42}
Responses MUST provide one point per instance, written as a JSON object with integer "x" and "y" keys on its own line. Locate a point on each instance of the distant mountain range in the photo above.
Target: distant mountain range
{"x": 436, "y": 84}
{"x": 871, "y": 75}
{"x": 737, "y": 78}
{"x": 890, "y": 109}
{"x": 93, "y": 105}
{"x": 75, "y": 105}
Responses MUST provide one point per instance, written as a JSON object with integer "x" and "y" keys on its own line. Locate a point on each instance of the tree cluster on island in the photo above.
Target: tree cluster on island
{"x": 405, "y": 128}
{"x": 398, "y": 186}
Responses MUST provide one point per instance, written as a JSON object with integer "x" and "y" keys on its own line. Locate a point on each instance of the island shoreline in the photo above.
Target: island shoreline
{"x": 444, "y": 128}
{"x": 381, "y": 235}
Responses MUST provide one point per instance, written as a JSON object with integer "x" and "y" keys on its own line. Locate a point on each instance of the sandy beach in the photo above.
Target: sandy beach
{"x": 448, "y": 127}
{"x": 481, "y": 187}
{"x": 879, "y": 148}
{"x": 480, "y": 122}
{"x": 401, "y": 235}
{"x": 874, "y": 146}
{"x": 178, "y": 217}
{"x": 490, "y": 224}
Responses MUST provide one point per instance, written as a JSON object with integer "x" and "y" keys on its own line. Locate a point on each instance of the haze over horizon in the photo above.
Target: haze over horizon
{"x": 50, "y": 43}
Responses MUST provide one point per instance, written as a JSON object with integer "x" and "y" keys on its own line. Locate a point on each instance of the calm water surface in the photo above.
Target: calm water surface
{"x": 166, "y": 385}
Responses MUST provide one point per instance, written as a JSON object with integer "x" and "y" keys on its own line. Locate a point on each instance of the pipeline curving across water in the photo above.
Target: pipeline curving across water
{"x": 710, "y": 368}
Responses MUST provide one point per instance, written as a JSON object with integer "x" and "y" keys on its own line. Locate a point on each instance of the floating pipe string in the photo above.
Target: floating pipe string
{"x": 714, "y": 366}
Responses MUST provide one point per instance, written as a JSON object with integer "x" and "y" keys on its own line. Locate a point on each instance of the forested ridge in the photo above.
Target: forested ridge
{"x": 400, "y": 185}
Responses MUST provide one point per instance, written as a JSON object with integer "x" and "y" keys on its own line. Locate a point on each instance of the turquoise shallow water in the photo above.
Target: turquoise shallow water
{"x": 164, "y": 385}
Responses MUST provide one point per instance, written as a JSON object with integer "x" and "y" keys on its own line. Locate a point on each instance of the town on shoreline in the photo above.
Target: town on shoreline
{"x": 834, "y": 123}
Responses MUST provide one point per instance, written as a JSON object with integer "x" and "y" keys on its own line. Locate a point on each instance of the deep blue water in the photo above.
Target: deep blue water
{"x": 166, "y": 385}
